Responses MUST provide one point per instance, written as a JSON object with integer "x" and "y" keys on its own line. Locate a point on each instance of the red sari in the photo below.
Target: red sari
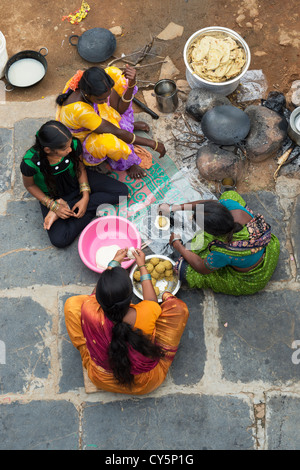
{"x": 90, "y": 333}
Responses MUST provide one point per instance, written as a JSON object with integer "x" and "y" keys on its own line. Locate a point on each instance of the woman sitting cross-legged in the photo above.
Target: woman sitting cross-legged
{"x": 69, "y": 194}
{"x": 96, "y": 105}
{"x": 125, "y": 348}
{"x": 235, "y": 254}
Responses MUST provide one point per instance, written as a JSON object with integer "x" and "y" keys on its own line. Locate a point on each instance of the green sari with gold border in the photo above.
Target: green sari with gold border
{"x": 227, "y": 279}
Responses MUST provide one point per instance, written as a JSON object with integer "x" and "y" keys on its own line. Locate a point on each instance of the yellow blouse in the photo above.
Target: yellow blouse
{"x": 147, "y": 313}
{"x": 82, "y": 115}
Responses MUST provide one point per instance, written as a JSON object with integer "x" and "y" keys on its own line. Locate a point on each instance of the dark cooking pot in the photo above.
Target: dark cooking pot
{"x": 225, "y": 125}
{"x": 95, "y": 45}
{"x": 26, "y": 55}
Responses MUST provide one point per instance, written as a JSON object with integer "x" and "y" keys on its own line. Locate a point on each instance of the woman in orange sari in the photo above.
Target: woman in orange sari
{"x": 125, "y": 348}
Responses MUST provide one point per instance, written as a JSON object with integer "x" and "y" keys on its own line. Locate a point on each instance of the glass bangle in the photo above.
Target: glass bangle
{"x": 145, "y": 277}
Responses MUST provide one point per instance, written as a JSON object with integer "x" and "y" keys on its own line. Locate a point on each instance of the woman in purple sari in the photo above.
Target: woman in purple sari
{"x": 96, "y": 106}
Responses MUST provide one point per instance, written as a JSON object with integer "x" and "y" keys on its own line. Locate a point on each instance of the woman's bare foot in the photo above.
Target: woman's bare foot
{"x": 135, "y": 172}
{"x": 49, "y": 220}
{"x": 51, "y": 217}
{"x": 141, "y": 126}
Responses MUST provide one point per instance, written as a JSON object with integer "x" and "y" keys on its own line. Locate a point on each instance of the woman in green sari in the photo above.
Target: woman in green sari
{"x": 236, "y": 253}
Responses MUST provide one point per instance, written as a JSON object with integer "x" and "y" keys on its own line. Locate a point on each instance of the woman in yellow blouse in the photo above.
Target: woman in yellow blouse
{"x": 125, "y": 348}
{"x": 96, "y": 105}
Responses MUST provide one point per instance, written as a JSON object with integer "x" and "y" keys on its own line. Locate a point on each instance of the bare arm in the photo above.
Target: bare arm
{"x": 166, "y": 208}
{"x": 107, "y": 127}
{"x": 116, "y": 102}
{"x": 147, "y": 286}
{"x": 194, "y": 260}
{"x": 63, "y": 210}
{"x": 80, "y": 207}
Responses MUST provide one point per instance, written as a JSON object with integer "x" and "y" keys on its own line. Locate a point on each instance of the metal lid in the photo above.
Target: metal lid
{"x": 96, "y": 44}
{"x": 225, "y": 125}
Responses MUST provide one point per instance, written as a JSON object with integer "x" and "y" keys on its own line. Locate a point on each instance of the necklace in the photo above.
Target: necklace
{"x": 85, "y": 99}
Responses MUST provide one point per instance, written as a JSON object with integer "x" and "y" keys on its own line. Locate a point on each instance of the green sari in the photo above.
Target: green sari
{"x": 228, "y": 280}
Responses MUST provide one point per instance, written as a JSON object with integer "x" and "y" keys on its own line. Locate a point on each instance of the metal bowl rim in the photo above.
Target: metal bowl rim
{"x": 146, "y": 258}
{"x": 218, "y": 29}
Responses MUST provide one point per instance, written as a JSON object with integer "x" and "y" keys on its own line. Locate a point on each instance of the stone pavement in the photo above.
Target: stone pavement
{"x": 234, "y": 384}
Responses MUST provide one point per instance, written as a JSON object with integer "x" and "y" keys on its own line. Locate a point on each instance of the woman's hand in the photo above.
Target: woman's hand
{"x": 80, "y": 207}
{"x": 63, "y": 211}
{"x": 130, "y": 74}
{"x": 164, "y": 208}
{"x": 160, "y": 149}
{"x": 177, "y": 242}
{"x": 139, "y": 257}
{"x": 120, "y": 255}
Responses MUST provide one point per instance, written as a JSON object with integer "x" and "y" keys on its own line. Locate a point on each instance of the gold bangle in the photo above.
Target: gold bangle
{"x": 54, "y": 206}
{"x": 46, "y": 201}
{"x": 156, "y": 145}
{"x": 124, "y": 99}
{"x": 133, "y": 139}
{"x": 132, "y": 85}
{"x": 84, "y": 187}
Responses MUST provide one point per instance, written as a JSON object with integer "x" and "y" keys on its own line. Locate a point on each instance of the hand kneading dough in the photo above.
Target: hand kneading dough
{"x": 105, "y": 254}
{"x": 130, "y": 252}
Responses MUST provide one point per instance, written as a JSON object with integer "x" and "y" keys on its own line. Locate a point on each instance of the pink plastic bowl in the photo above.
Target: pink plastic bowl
{"x": 105, "y": 231}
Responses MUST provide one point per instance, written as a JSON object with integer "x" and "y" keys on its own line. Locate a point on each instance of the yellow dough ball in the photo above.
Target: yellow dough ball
{"x": 157, "y": 291}
{"x": 170, "y": 278}
{"x": 162, "y": 221}
{"x": 154, "y": 261}
{"x": 149, "y": 267}
{"x": 160, "y": 268}
{"x": 155, "y": 274}
{"x": 137, "y": 275}
{"x": 168, "y": 264}
{"x": 153, "y": 281}
{"x": 168, "y": 272}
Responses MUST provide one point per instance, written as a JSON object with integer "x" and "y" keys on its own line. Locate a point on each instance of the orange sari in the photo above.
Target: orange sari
{"x": 168, "y": 323}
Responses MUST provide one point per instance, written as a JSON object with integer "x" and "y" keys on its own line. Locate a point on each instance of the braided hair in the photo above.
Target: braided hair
{"x": 114, "y": 293}
{"x": 218, "y": 220}
{"x": 55, "y": 135}
{"x": 94, "y": 81}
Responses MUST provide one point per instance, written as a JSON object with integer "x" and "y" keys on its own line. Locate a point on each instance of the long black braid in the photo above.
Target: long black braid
{"x": 114, "y": 293}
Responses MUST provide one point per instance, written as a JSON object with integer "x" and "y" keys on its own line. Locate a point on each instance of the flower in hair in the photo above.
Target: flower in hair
{"x": 73, "y": 84}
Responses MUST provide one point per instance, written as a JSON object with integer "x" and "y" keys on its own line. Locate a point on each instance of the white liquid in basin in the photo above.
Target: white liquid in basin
{"x": 25, "y": 72}
{"x": 297, "y": 122}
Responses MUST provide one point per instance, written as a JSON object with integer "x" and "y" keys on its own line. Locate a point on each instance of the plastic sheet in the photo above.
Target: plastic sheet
{"x": 253, "y": 86}
{"x": 181, "y": 191}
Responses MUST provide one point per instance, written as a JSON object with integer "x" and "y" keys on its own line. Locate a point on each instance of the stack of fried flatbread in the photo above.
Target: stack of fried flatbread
{"x": 216, "y": 59}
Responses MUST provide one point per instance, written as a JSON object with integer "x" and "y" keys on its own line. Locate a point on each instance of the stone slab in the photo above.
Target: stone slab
{"x": 188, "y": 365}
{"x": 23, "y": 324}
{"x": 39, "y": 425}
{"x": 283, "y": 413}
{"x": 23, "y": 242}
{"x": 256, "y": 344}
{"x": 174, "y": 422}
{"x": 70, "y": 360}
{"x": 6, "y": 159}
{"x": 295, "y": 230}
{"x": 267, "y": 204}
{"x": 24, "y": 138}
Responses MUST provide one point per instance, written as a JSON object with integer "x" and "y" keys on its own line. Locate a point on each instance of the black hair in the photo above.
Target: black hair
{"x": 55, "y": 135}
{"x": 94, "y": 81}
{"x": 114, "y": 293}
{"x": 218, "y": 220}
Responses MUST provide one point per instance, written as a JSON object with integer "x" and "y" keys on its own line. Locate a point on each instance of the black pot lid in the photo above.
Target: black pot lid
{"x": 225, "y": 125}
{"x": 96, "y": 45}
